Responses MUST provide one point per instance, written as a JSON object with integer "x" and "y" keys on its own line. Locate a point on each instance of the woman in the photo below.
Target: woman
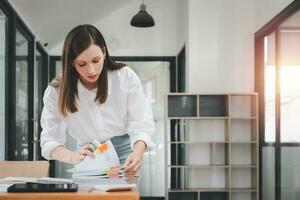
{"x": 95, "y": 98}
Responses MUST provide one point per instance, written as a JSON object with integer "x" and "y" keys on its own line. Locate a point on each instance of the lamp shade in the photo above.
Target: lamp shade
{"x": 142, "y": 18}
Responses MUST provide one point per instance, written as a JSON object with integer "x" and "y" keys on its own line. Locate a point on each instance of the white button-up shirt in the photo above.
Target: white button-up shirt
{"x": 125, "y": 111}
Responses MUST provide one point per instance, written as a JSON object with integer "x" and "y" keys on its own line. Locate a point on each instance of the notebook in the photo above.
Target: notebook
{"x": 37, "y": 187}
{"x": 51, "y": 180}
{"x": 45, "y": 180}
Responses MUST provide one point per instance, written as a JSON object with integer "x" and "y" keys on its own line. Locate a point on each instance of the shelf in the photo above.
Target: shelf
{"x": 243, "y": 130}
{"x": 198, "y": 166}
{"x": 179, "y": 195}
{"x": 244, "y": 142}
{"x": 243, "y": 166}
{"x": 181, "y": 118}
{"x": 214, "y": 190}
{"x": 244, "y": 94}
{"x": 243, "y": 118}
{"x": 244, "y": 196}
{"x": 243, "y": 189}
{"x": 213, "y": 146}
{"x": 199, "y": 142}
{"x": 249, "y": 152}
{"x": 244, "y": 178}
{"x": 213, "y": 105}
{"x": 182, "y": 106}
{"x": 199, "y": 118}
{"x": 243, "y": 106}
{"x": 200, "y": 190}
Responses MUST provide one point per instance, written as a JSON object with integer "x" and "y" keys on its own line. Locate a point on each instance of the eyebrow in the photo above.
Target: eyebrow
{"x": 85, "y": 61}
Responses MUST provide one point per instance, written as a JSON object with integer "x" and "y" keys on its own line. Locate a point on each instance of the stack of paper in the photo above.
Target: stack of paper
{"x": 88, "y": 183}
{"x": 17, "y": 179}
{"x": 114, "y": 187}
{"x": 99, "y": 165}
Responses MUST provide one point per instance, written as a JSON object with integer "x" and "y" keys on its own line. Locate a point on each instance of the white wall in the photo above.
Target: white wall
{"x": 265, "y": 10}
{"x": 181, "y": 24}
{"x": 221, "y": 46}
{"x": 125, "y": 40}
{"x": 220, "y": 57}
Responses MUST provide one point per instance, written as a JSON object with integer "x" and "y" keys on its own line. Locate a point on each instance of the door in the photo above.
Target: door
{"x": 281, "y": 138}
{"x": 289, "y": 90}
{"x": 155, "y": 78}
{"x": 22, "y": 148}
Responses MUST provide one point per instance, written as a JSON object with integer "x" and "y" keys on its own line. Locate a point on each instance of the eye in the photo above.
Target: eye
{"x": 96, "y": 60}
{"x": 81, "y": 64}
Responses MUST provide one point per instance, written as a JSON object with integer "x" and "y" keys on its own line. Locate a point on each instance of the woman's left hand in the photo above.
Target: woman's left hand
{"x": 134, "y": 160}
{"x": 133, "y": 163}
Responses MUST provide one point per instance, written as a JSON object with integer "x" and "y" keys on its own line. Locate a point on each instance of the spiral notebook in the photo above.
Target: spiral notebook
{"x": 51, "y": 180}
{"x": 45, "y": 180}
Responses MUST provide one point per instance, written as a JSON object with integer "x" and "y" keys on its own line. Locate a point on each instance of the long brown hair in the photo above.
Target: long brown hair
{"x": 78, "y": 40}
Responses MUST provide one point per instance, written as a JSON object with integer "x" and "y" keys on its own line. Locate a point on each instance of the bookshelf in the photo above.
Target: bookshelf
{"x": 212, "y": 146}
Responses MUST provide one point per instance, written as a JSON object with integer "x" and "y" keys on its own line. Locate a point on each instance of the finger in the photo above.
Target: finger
{"x": 90, "y": 153}
{"x": 127, "y": 161}
{"x": 87, "y": 152}
{"x": 135, "y": 169}
{"x": 81, "y": 157}
{"x": 131, "y": 165}
{"x": 88, "y": 147}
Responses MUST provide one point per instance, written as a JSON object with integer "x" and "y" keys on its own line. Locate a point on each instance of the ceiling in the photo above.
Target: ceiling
{"x": 51, "y": 20}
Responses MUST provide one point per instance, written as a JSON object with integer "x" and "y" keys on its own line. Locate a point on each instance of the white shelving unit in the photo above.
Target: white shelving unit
{"x": 212, "y": 146}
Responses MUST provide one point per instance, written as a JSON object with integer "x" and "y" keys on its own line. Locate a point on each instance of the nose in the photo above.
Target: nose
{"x": 90, "y": 69}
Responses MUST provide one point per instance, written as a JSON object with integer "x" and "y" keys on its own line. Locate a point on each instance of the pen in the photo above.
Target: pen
{"x": 90, "y": 189}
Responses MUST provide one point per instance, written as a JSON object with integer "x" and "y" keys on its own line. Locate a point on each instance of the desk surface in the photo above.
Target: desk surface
{"x": 80, "y": 195}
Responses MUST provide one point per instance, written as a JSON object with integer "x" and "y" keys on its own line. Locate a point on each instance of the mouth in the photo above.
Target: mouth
{"x": 92, "y": 77}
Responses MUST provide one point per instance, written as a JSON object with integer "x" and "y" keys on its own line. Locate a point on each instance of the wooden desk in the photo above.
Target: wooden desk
{"x": 80, "y": 195}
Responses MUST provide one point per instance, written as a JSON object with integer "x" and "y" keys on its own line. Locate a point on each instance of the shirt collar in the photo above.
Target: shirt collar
{"x": 82, "y": 88}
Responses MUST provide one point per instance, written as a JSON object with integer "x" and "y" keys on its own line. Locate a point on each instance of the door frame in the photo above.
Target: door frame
{"x": 43, "y": 72}
{"x": 267, "y": 29}
{"x": 170, "y": 59}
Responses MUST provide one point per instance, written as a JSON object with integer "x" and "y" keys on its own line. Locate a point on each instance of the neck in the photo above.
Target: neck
{"x": 88, "y": 85}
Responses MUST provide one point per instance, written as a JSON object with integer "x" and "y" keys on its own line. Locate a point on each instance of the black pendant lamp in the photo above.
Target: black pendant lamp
{"x": 142, "y": 18}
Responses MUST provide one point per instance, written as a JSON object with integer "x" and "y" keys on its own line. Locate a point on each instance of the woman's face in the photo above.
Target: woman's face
{"x": 89, "y": 65}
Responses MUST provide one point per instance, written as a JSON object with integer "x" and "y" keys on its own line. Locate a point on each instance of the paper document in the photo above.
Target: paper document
{"x": 103, "y": 160}
{"x": 88, "y": 183}
{"x": 17, "y": 179}
{"x": 114, "y": 187}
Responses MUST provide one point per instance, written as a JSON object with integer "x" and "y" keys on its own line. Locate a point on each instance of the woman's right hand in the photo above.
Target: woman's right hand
{"x": 80, "y": 154}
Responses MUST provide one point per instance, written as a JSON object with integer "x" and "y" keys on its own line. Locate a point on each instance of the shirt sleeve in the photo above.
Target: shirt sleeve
{"x": 53, "y": 127}
{"x": 140, "y": 124}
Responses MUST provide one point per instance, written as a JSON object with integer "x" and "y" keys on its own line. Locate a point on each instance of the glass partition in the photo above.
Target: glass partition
{"x": 3, "y": 36}
{"x": 21, "y": 81}
{"x": 289, "y": 72}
